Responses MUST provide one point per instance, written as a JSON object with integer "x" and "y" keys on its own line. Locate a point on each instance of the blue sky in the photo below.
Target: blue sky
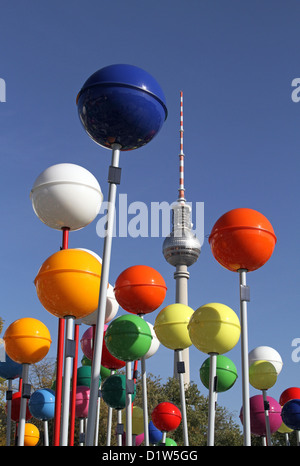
{"x": 235, "y": 62}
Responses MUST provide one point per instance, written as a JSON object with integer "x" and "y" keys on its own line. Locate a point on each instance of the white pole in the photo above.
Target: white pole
{"x": 212, "y": 399}
{"x": 245, "y": 363}
{"x": 46, "y": 434}
{"x": 128, "y": 406}
{"x": 99, "y": 330}
{"x": 145, "y": 401}
{"x": 182, "y": 399}
{"x": 267, "y": 418}
{"x": 22, "y": 420}
{"x": 8, "y": 416}
{"x": 68, "y": 359}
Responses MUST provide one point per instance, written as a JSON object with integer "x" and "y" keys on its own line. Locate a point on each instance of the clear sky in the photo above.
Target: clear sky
{"x": 235, "y": 62}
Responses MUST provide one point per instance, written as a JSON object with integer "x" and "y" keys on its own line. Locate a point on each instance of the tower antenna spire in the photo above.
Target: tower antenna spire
{"x": 181, "y": 154}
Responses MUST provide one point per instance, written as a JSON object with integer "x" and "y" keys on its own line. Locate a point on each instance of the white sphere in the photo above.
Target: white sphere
{"x": 154, "y": 343}
{"x": 66, "y": 195}
{"x": 111, "y": 310}
{"x": 266, "y": 353}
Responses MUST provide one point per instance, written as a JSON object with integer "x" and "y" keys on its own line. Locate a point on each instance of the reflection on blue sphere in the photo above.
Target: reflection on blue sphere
{"x": 42, "y": 404}
{"x": 121, "y": 104}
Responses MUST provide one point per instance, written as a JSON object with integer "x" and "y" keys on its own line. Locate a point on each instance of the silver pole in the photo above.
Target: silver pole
{"x": 119, "y": 421}
{"x": 8, "y": 416}
{"x": 46, "y": 434}
{"x": 267, "y": 418}
{"x": 164, "y": 437}
{"x": 97, "y": 422}
{"x": 145, "y": 401}
{"x": 182, "y": 400}
{"x": 23, "y": 405}
{"x": 98, "y": 344}
{"x": 212, "y": 399}
{"x": 67, "y": 380}
{"x": 81, "y": 431}
{"x": 244, "y": 298}
{"x": 109, "y": 421}
{"x": 128, "y": 406}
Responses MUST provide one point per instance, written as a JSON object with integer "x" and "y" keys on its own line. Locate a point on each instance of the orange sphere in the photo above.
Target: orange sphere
{"x": 68, "y": 283}
{"x": 242, "y": 239}
{"x": 31, "y": 435}
{"x": 140, "y": 289}
{"x": 27, "y": 341}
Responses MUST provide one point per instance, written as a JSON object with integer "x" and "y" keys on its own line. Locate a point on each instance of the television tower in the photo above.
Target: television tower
{"x": 181, "y": 248}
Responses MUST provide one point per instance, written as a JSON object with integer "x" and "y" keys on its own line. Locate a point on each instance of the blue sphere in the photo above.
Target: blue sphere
{"x": 121, "y": 104}
{"x": 9, "y": 369}
{"x": 155, "y": 435}
{"x": 290, "y": 414}
{"x": 42, "y": 404}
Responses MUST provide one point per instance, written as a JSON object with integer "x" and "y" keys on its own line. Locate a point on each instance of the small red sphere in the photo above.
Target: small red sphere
{"x": 292, "y": 393}
{"x": 166, "y": 417}
{"x": 140, "y": 289}
{"x": 108, "y": 360}
{"x": 242, "y": 239}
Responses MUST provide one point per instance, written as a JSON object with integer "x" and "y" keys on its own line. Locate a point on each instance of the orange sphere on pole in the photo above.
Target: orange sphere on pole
{"x": 242, "y": 239}
{"x": 27, "y": 341}
{"x": 31, "y": 435}
{"x": 140, "y": 289}
{"x": 68, "y": 283}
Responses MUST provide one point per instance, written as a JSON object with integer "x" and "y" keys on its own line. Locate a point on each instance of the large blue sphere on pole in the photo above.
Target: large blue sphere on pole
{"x": 121, "y": 104}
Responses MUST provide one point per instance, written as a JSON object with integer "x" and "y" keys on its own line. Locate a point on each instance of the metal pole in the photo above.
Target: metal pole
{"x": 67, "y": 380}
{"x": 182, "y": 397}
{"x": 145, "y": 401}
{"x": 8, "y": 415}
{"x": 24, "y": 397}
{"x": 119, "y": 421}
{"x": 244, "y": 298}
{"x": 128, "y": 405}
{"x": 46, "y": 434}
{"x": 267, "y": 419}
{"x": 164, "y": 437}
{"x": 212, "y": 399}
{"x": 74, "y": 388}
{"x": 95, "y": 373}
{"x": 109, "y": 421}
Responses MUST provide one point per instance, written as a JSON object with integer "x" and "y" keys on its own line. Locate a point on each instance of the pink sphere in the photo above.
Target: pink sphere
{"x": 257, "y": 415}
{"x": 82, "y": 401}
{"x": 86, "y": 343}
{"x": 138, "y": 439}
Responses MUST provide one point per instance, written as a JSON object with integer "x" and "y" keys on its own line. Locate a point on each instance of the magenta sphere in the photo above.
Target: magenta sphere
{"x": 82, "y": 401}
{"x": 257, "y": 415}
{"x": 86, "y": 343}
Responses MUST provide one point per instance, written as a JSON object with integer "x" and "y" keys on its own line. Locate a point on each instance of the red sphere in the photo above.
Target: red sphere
{"x": 140, "y": 289}
{"x": 166, "y": 417}
{"x": 108, "y": 360}
{"x": 15, "y": 407}
{"x": 292, "y": 393}
{"x": 242, "y": 239}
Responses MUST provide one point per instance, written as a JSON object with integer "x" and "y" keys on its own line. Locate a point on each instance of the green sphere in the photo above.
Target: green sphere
{"x": 226, "y": 373}
{"x": 169, "y": 442}
{"x": 104, "y": 372}
{"x": 84, "y": 376}
{"x": 128, "y": 337}
{"x": 86, "y": 361}
{"x": 114, "y": 391}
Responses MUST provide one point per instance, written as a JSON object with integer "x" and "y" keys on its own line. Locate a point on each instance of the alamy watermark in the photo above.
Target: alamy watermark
{"x": 2, "y": 90}
{"x": 295, "y": 95}
{"x": 138, "y": 219}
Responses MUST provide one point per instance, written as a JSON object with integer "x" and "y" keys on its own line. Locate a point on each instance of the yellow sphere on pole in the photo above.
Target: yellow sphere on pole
{"x": 262, "y": 375}
{"x": 27, "y": 340}
{"x": 214, "y": 328}
{"x": 137, "y": 420}
{"x": 31, "y": 435}
{"x": 283, "y": 429}
{"x": 171, "y": 326}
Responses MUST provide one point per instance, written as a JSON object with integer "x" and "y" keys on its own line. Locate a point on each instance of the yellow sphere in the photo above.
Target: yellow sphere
{"x": 283, "y": 429}
{"x": 262, "y": 375}
{"x": 171, "y": 324}
{"x": 68, "y": 283}
{"x": 31, "y": 435}
{"x": 137, "y": 420}
{"x": 27, "y": 341}
{"x": 214, "y": 328}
